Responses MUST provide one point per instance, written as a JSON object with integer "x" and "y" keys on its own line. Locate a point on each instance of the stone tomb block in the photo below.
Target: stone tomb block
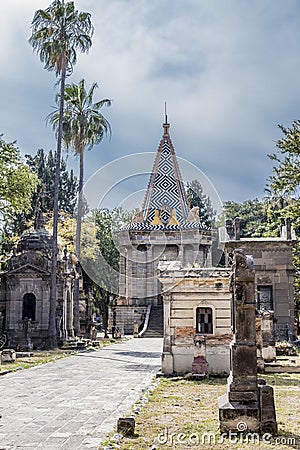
{"x": 238, "y": 417}
{"x": 126, "y": 426}
{"x": 8, "y": 355}
{"x": 268, "y": 422}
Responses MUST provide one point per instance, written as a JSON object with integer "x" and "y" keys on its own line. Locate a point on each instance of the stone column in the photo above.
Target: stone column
{"x": 167, "y": 355}
{"x": 64, "y": 317}
{"x": 69, "y": 319}
{"x": 122, "y": 277}
{"x": 129, "y": 277}
{"x": 247, "y": 405}
{"x": 243, "y": 383}
{"x": 151, "y": 282}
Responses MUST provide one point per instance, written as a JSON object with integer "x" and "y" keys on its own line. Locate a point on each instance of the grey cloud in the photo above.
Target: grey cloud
{"x": 228, "y": 70}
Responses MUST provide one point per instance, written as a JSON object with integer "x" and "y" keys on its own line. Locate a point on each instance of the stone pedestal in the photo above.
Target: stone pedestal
{"x": 238, "y": 416}
{"x": 248, "y": 404}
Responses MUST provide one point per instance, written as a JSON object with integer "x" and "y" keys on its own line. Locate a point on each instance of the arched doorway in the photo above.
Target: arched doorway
{"x": 29, "y": 306}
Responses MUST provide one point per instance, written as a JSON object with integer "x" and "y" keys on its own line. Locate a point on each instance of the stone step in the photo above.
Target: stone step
{"x": 155, "y": 325}
{"x": 152, "y": 335}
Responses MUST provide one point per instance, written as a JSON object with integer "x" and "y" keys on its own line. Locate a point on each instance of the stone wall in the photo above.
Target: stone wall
{"x": 127, "y": 315}
{"x": 141, "y": 252}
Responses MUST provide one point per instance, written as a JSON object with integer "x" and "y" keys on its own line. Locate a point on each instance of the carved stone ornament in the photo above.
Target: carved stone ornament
{"x": 193, "y": 215}
{"x": 138, "y": 216}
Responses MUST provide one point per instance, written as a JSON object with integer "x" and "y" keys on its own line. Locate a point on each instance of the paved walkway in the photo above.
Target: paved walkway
{"x": 73, "y": 403}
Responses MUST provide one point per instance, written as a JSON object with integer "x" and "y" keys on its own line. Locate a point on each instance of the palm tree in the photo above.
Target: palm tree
{"x": 57, "y": 33}
{"x": 83, "y": 127}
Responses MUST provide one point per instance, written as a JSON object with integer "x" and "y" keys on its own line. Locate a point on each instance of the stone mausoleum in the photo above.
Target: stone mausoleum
{"x": 25, "y": 292}
{"x": 166, "y": 273}
{"x": 274, "y": 274}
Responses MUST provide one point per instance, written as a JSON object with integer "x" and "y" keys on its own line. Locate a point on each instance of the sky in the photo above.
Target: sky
{"x": 228, "y": 70}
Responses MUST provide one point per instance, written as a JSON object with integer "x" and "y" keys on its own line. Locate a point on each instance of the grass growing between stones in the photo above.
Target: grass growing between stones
{"x": 43, "y": 357}
{"x": 183, "y": 415}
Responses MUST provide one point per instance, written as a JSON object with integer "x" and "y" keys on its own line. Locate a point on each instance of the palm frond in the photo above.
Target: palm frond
{"x": 58, "y": 32}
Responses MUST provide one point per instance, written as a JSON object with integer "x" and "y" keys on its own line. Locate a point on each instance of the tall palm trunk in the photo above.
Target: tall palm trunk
{"x": 52, "y": 337}
{"x": 77, "y": 244}
{"x": 80, "y": 204}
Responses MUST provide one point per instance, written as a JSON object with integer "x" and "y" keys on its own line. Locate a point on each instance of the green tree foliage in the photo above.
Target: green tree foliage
{"x": 57, "y": 33}
{"x": 253, "y": 215}
{"x": 196, "y": 197}
{"x": 44, "y": 166}
{"x": 266, "y": 217}
{"x": 17, "y": 182}
{"x": 104, "y": 224}
{"x": 103, "y": 267}
{"x": 107, "y": 223}
{"x": 284, "y": 183}
{"x": 66, "y": 230}
{"x": 285, "y": 179}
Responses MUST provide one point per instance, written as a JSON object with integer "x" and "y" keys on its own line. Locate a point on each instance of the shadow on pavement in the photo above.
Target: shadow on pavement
{"x": 141, "y": 355}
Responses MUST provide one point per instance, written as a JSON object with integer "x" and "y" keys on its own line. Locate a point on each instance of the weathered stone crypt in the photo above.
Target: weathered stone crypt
{"x": 25, "y": 291}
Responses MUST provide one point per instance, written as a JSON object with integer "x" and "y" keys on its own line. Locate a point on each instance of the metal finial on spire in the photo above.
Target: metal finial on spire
{"x": 166, "y": 125}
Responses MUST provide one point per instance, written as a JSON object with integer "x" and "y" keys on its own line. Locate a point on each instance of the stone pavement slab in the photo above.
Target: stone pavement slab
{"x": 73, "y": 403}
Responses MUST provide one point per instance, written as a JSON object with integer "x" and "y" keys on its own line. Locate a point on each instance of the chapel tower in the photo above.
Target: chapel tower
{"x": 163, "y": 229}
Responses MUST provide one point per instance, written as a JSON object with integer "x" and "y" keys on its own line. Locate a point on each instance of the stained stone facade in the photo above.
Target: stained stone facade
{"x": 186, "y": 291}
{"x": 274, "y": 274}
{"x": 197, "y": 302}
{"x": 25, "y": 291}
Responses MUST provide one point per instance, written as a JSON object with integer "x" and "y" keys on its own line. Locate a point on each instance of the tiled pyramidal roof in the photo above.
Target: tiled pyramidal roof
{"x": 165, "y": 205}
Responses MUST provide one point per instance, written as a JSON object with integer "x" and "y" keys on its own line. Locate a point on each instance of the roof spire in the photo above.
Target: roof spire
{"x": 166, "y": 125}
{"x": 165, "y": 199}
